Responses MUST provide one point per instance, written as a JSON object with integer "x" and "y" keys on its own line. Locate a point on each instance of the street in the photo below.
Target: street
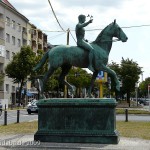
{"x": 132, "y": 117}
{"x": 25, "y": 117}
{"x": 12, "y": 116}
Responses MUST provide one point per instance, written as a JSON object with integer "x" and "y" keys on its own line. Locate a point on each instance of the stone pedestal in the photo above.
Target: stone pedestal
{"x": 77, "y": 121}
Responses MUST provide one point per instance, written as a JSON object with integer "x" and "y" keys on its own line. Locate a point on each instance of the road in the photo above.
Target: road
{"x": 133, "y": 117}
{"x": 25, "y": 117}
{"x": 12, "y": 116}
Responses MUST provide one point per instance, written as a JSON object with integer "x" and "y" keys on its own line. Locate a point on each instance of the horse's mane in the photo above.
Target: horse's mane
{"x": 99, "y": 37}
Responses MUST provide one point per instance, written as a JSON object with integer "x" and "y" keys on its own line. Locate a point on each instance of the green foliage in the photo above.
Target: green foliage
{"x": 21, "y": 65}
{"x": 79, "y": 78}
{"x": 143, "y": 87}
{"x": 1, "y": 78}
{"x": 52, "y": 82}
{"x": 42, "y": 70}
{"x": 128, "y": 72}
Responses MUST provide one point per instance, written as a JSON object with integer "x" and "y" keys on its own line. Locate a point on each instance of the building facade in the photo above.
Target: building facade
{"x": 15, "y": 31}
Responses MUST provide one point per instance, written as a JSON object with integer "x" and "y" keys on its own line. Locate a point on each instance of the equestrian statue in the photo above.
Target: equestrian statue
{"x": 92, "y": 55}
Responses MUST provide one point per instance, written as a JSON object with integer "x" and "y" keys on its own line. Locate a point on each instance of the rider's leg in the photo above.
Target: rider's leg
{"x": 90, "y": 48}
{"x": 90, "y": 61}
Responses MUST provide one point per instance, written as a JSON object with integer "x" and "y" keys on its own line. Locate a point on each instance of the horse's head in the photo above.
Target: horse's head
{"x": 118, "y": 32}
{"x": 110, "y": 31}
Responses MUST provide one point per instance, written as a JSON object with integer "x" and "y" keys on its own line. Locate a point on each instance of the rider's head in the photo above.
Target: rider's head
{"x": 81, "y": 18}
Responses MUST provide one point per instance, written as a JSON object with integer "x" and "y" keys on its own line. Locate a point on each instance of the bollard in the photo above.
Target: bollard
{"x": 11, "y": 106}
{"x": 126, "y": 115}
{"x": 18, "y": 114}
{"x": 5, "y": 117}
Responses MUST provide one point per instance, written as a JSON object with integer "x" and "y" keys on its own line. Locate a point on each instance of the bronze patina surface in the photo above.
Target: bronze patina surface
{"x": 77, "y": 121}
{"x": 96, "y": 57}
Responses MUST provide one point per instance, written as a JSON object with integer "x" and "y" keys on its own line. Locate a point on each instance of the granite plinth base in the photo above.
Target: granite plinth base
{"x": 77, "y": 121}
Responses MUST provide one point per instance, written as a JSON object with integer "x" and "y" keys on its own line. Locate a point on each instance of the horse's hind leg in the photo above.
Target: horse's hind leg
{"x": 65, "y": 70}
{"x": 92, "y": 83}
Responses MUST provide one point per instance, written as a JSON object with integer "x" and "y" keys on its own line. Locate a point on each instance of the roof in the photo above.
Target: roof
{"x": 8, "y": 4}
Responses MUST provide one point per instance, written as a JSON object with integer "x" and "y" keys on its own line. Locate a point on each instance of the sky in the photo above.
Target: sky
{"x": 128, "y": 13}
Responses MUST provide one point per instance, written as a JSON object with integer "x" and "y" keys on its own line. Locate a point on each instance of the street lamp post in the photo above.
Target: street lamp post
{"x": 121, "y": 89}
{"x": 149, "y": 96}
{"x": 136, "y": 93}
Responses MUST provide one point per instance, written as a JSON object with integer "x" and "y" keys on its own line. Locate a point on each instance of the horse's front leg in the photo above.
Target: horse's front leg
{"x": 92, "y": 83}
{"x": 113, "y": 74}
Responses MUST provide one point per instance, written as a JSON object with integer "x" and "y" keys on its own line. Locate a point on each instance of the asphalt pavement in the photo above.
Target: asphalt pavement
{"x": 23, "y": 116}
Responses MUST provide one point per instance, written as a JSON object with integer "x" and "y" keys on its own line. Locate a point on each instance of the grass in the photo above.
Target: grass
{"x": 134, "y": 129}
{"x": 138, "y": 112}
{"x": 126, "y": 129}
{"x": 19, "y": 128}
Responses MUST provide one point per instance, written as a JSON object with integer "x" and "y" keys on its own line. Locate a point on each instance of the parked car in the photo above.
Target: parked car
{"x": 141, "y": 100}
{"x": 29, "y": 103}
{"x": 146, "y": 102}
{"x": 1, "y": 109}
{"x": 32, "y": 108}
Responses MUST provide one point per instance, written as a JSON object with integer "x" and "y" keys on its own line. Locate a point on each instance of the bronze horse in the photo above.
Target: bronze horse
{"x": 67, "y": 56}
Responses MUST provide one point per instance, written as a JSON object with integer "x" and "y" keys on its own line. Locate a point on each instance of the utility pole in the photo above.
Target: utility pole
{"x": 65, "y": 90}
{"x": 68, "y": 36}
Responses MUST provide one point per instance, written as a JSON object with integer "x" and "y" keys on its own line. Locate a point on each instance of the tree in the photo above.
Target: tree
{"x": 144, "y": 87}
{"x": 1, "y": 78}
{"x": 129, "y": 71}
{"x": 79, "y": 78}
{"x": 21, "y": 66}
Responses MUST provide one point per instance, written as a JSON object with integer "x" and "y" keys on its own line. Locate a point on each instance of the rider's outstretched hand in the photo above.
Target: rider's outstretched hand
{"x": 91, "y": 20}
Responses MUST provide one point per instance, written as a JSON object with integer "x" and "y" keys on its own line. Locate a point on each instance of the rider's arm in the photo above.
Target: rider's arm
{"x": 85, "y": 24}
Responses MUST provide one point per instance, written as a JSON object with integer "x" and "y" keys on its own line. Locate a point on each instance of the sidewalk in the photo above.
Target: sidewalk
{"x": 26, "y": 142}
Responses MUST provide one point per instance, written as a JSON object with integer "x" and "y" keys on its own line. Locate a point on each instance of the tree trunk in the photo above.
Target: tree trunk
{"x": 20, "y": 93}
{"x": 128, "y": 97}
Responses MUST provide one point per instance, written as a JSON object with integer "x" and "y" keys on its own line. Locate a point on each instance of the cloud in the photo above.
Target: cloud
{"x": 87, "y": 3}
{"x": 126, "y": 12}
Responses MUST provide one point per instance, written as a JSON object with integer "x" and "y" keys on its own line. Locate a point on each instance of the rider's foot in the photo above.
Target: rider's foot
{"x": 91, "y": 68}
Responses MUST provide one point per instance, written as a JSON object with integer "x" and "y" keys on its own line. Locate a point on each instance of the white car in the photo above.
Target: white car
{"x": 32, "y": 101}
{"x": 32, "y": 108}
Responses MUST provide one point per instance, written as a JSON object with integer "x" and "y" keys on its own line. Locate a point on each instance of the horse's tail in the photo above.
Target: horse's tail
{"x": 42, "y": 62}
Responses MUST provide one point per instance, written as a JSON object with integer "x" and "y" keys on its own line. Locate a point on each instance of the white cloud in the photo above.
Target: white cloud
{"x": 127, "y": 12}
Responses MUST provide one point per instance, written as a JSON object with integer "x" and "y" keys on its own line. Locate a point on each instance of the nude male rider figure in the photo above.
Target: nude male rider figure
{"x": 81, "y": 42}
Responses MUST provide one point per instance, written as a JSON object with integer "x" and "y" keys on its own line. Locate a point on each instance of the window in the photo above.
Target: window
{"x": 7, "y": 21}
{"x": 13, "y": 40}
{"x": 19, "y": 27}
{"x": 7, "y": 88}
{"x": 13, "y": 89}
{"x": 29, "y": 43}
{"x": 7, "y": 54}
{"x": 19, "y": 42}
{"x": 2, "y": 50}
{"x": 7, "y": 38}
{"x": 13, "y": 24}
{"x": 13, "y": 54}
